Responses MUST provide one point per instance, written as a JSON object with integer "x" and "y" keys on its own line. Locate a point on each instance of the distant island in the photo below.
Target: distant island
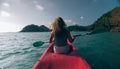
{"x": 108, "y": 22}
{"x": 77, "y": 28}
{"x": 35, "y": 28}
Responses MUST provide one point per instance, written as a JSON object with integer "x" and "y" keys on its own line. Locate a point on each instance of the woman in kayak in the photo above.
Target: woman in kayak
{"x": 60, "y": 35}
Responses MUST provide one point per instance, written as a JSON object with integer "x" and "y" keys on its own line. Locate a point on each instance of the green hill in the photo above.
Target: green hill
{"x": 108, "y": 22}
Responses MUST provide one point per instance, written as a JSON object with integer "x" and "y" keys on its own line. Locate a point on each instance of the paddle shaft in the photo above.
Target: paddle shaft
{"x": 82, "y": 34}
{"x": 76, "y": 36}
{"x": 41, "y": 42}
{"x": 46, "y": 42}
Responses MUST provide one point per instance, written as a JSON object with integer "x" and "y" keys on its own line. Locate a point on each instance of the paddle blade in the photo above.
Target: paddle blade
{"x": 38, "y": 43}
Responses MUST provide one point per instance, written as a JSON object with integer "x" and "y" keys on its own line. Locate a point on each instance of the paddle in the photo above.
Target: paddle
{"x": 40, "y": 43}
{"x": 83, "y": 34}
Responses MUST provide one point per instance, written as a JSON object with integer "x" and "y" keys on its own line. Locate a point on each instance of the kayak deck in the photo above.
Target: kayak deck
{"x": 50, "y": 60}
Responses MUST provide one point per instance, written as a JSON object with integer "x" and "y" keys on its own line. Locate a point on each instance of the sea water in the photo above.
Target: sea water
{"x": 101, "y": 51}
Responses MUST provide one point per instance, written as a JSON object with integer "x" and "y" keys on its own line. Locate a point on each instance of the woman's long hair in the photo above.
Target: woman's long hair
{"x": 58, "y": 25}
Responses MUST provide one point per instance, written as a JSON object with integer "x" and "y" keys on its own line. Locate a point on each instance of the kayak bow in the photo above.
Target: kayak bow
{"x": 50, "y": 60}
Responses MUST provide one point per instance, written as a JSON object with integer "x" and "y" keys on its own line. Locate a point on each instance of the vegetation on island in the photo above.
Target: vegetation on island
{"x": 108, "y": 22}
{"x": 77, "y": 28}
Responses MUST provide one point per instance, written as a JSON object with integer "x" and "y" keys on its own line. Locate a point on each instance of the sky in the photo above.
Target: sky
{"x": 16, "y": 14}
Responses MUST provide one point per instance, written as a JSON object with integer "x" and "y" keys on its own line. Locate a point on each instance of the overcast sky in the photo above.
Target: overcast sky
{"x": 15, "y": 14}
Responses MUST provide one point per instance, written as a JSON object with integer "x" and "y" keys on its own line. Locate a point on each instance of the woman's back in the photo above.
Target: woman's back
{"x": 61, "y": 38}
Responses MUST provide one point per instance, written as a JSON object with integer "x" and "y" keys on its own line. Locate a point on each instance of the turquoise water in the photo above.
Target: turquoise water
{"x": 102, "y": 51}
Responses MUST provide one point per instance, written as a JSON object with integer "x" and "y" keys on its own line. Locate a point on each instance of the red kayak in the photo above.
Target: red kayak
{"x": 50, "y": 60}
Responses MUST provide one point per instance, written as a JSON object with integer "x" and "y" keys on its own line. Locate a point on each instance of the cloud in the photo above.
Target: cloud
{"x": 4, "y": 14}
{"x": 39, "y": 7}
{"x": 81, "y": 17}
{"x": 69, "y": 22}
{"x": 6, "y": 4}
